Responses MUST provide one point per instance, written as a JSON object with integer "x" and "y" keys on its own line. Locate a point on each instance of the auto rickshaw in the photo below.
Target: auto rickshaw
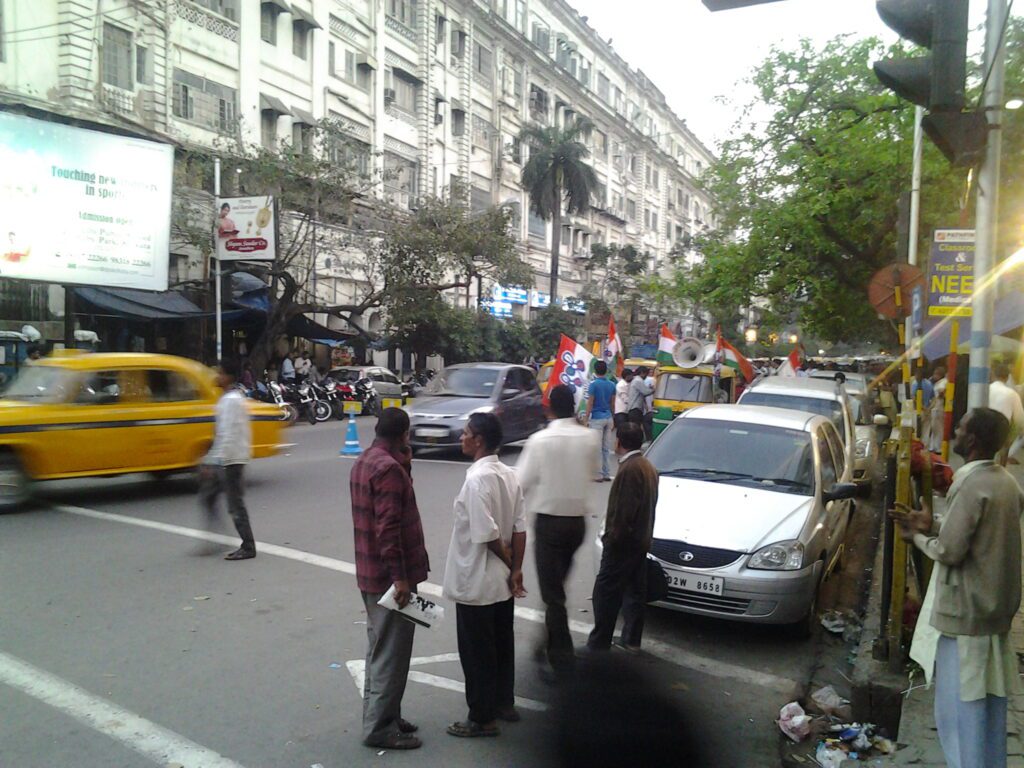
{"x": 677, "y": 389}
{"x": 14, "y": 349}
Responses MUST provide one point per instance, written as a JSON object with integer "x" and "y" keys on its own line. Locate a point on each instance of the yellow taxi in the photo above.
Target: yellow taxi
{"x": 82, "y": 415}
{"x": 678, "y": 389}
{"x": 544, "y": 375}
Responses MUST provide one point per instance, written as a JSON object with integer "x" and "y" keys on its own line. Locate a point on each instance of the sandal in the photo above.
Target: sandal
{"x": 470, "y": 730}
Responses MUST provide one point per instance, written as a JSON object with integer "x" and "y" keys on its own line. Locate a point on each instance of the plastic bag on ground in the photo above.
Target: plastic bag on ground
{"x": 829, "y": 702}
{"x": 794, "y": 722}
{"x": 828, "y": 757}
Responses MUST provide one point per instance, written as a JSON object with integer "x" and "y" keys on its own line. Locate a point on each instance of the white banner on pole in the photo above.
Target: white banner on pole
{"x": 245, "y": 229}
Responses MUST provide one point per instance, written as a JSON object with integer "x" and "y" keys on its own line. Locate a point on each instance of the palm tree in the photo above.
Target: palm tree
{"x": 555, "y": 174}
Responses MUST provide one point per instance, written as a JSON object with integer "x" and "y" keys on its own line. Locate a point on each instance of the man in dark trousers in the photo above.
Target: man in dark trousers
{"x": 629, "y": 524}
{"x": 389, "y": 551}
{"x": 223, "y": 468}
{"x": 483, "y": 575}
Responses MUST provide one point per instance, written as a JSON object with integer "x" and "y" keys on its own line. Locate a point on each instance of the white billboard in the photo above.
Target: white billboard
{"x": 246, "y": 229}
{"x": 83, "y": 207}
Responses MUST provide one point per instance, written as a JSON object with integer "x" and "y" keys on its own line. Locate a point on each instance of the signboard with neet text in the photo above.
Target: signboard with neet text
{"x": 951, "y": 273}
{"x": 246, "y": 229}
{"x": 83, "y": 207}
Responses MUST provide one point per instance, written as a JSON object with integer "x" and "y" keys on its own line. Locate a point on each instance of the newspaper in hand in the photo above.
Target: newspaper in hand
{"x": 419, "y": 610}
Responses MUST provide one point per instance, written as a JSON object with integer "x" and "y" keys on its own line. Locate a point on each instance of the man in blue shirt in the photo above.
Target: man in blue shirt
{"x": 926, "y": 387}
{"x": 600, "y": 398}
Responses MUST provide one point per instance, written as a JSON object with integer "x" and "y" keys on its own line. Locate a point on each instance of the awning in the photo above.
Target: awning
{"x": 140, "y": 305}
{"x": 304, "y": 117}
{"x": 301, "y": 17}
{"x": 281, "y": 5}
{"x": 366, "y": 60}
{"x": 300, "y": 325}
{"x": 458, "y": 106}
{"x": 273, "y": 104}
{"x": 1008, "y": 316}
{"x": 408, "y": 74}
{"x": 438, "y": 96}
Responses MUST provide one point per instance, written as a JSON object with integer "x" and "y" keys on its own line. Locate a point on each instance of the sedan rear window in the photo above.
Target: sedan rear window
{"x": 743, "y": 454}
{"x": 830, "y": 409}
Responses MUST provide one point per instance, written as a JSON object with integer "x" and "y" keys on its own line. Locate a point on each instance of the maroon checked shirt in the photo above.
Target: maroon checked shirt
{"x": 388, "y": 531}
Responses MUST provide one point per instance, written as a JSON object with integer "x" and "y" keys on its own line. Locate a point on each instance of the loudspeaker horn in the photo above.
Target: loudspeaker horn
{"x": 688, "y": 352}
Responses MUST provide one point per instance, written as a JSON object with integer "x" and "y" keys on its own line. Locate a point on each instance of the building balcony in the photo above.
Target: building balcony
{"x": 117, "y": 100}
{"x": 400, "y": 114}
{"x": 394, "y": 25}
{"x": 208, "y": 20}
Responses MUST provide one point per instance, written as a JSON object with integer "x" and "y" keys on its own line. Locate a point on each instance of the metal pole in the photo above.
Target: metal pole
{"x": 915, "y": 214}
{"x": 988, "y": 208}
{"x": 216, "y": 277}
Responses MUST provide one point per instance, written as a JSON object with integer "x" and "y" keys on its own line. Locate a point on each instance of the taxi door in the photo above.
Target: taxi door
{"x": 93, "y": 436}
{"x": 175, "y": 420}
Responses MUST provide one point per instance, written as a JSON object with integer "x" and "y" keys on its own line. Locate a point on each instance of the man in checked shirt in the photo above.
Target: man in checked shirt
{"x": 389, "y": 550}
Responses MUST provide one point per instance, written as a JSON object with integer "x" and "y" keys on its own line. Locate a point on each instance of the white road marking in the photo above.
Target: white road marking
{"x": 145, "y": 737}
{"x": 659, "y": 649}
{"x": 357, "y": 668}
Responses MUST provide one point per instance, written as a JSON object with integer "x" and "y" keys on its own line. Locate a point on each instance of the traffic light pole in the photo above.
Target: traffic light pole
{"x": 988, "y": 208}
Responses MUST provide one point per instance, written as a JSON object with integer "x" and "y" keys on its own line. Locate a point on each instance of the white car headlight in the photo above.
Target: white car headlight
{"x": 863, "y": 447}
{"x": 781, "y": 556}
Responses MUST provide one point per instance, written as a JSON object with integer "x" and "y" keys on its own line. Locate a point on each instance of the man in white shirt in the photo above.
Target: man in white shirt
{"x": 288, "y": 369}
{"x": 555, "y": 470}
{"x": 1004, "y": 398}
{"x": 223, "y": 466}
{"x": 640, "y": 400}
{"x": 621, "y": 414}
{"x": 483, "y": 574}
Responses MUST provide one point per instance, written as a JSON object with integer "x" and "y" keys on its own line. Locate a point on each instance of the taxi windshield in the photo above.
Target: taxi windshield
{"x": 41, "y": 384}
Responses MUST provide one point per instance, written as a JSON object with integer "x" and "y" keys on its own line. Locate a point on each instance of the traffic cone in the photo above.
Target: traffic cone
{"x": 351, "y": 447}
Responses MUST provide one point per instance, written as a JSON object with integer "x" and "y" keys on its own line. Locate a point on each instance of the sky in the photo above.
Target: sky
{"x": 694, "y": 55}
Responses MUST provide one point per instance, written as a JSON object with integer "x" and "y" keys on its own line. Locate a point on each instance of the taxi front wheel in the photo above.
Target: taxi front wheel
{"x": 14, "y": 483}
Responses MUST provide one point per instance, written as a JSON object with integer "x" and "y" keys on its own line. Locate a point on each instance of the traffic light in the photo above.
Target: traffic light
{"x": 935, "y": 81}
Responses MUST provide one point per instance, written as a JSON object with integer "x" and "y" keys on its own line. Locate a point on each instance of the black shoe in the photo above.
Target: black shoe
{"x": 241, "y": 553}
{"x": 404, "y": 726}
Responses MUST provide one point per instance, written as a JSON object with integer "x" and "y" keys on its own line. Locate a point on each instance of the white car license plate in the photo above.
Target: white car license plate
{"x": 431, "y": 432}
{"x": 691, "y": 582}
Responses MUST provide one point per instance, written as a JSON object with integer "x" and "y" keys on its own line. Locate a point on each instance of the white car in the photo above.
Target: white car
{"x": 824, "y": 397}
{"x": 753, "y": 508}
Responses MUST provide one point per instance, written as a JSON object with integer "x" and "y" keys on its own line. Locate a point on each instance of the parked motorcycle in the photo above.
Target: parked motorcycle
{"x": 364, "y": 391}
{"x": 272, "y": 392}
{"x": 315, "y": 407}
{"x": 336, "y": 393}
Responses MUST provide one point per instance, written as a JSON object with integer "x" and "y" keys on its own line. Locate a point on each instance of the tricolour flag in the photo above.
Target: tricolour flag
{"x": 790, "y": 364}
{"x": 666, "y": 343}
{"x": 572, "y": 365}
{"x": 613, "y": 347}
{"x": 734, "y": 359}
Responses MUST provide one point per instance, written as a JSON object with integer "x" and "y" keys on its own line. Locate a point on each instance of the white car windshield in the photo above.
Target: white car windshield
{"x": 464, "y": 382}
{"x": 733, "y": 452}
{"x": 830, "y": 409}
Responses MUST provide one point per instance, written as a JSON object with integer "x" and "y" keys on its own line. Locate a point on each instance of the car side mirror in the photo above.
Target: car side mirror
{"x": 840, "y": 491}
{"x": 880, "y": 420}
{"x": 508, "y": 394}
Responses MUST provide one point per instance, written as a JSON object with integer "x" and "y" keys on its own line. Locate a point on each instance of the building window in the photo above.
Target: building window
{"x": 405, "y": 93}
{"x": 403, "y": 11}
{"x": 331, "y": 59}
{"x": 143, "y": 66}
{"x": 631, "y": 210}
{"x": 520, "y": 19}
{"x": 352, "y": 154}
{"x": 300, "y": 36}
{"x": 458, "y": 122}
{"x": 479, "y": 199}
{"x": 541, "y": 37}
{"x": 517, "y": 83}
{"x": 647, "y": 217}
{"x": 117, "y": 57}
{"x": 458, "y": 43}
{"x": 537, "y": 228}
{"x": 602, "y": 86}
{"x": 401, "y": 177}
{"x": 516, "y": 150}
{"x": 268, "y": 23}
{"x": 203, "y": 102}
{"x": 302, "y": 138}
{"x": 654, "y": 221}
{"x": 483, "y": 61}
{"x": 439, "y": 35}
{"x": 268, "y": 129}
{"x": 657, "y": 179}
{"x": 226, "y": 8}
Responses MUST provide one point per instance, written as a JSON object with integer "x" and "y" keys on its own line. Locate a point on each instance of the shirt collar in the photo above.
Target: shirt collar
{"x": 481, "y": 464}
{"x": 629, "y": 455}
{"x": 562, "y": 423}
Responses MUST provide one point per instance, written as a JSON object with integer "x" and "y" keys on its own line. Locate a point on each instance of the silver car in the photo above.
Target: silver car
{"x": 384, "y": 381}
{"x": 441, "y": 412}
{"x": 753, "y": 508}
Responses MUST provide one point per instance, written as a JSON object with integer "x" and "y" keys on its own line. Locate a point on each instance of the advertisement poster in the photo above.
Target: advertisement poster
{"x": 951, "y": 273}
{"x": 83, "y": 207}
{"x": 245, "y": 229}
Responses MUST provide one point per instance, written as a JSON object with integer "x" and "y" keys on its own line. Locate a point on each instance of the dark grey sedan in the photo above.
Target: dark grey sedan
{"x": 509, "y": 391}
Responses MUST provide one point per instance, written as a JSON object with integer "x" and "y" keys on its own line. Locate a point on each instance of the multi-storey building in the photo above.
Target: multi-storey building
{"x": 429, "y": 90}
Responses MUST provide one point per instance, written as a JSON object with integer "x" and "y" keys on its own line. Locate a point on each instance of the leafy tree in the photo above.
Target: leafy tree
{"x": 618, "y": 282}
{"x": 547, "y": 327}
{"x": 556, "y": 174}
{"x": 807, "y": 201}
